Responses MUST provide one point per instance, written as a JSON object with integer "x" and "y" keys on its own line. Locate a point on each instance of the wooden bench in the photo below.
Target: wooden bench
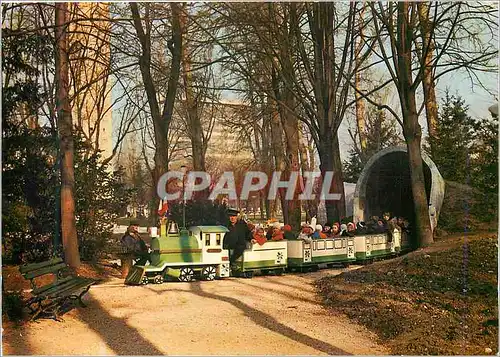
{"x": 51, "y": 297}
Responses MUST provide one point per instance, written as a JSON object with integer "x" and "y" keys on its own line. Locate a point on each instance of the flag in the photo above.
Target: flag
{"x": 163, "y": 208}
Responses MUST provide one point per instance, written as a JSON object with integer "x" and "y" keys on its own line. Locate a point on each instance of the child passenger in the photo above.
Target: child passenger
{"x": 287, "y": 232}
{"x": 351, "y": 230}
{"x": 318, "y": 233}
{"x": 306, "y": 233}
{"x": 259, "y": 236}
{"x": 336, "y": 230}
{"x": 277, "y": 233}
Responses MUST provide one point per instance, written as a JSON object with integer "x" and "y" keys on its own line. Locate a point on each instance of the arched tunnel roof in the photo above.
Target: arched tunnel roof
{"x": 384, "y": 185}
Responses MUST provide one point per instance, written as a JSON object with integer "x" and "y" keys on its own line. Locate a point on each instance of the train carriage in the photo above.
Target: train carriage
{"x": 303, "y": 254}
{"x": 373, "y": 246}
{"x": 271, "y": 256}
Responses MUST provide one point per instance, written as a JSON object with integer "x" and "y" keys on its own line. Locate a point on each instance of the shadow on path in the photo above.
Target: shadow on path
{"x": 289, "y": 295}
{"x": 270, "y": 323}
{"x": 130, "y": 341}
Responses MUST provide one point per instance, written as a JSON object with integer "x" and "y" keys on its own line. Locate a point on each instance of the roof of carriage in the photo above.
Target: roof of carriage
{"x": 210, "y": 229}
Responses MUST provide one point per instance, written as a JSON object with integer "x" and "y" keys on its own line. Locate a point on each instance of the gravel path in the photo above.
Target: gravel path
{"x": 267, "y": 315}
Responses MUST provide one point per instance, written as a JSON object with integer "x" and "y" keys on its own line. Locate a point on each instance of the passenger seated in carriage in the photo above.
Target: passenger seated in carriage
{"x": 336, "y": 230}
{"x": 350, "y": 231}
{"x": 318, "y": 234}
{"x": 380, "y": 227}
{"x": 270, "y": 229}
{"x": 402, "y": 224}
{"x": 343, "y": 228}
{"x": 361, "y": 228}
{"x": 327, "y": 230}
{"x": 305, "y": 233}
{"x": 259, "y": 236}
{"x": 386, "y": 217}
{"x": 276, "y": 234}
{"x": 287, "y": 232}
{"x": 389, "y": 224}
{"x": 371, "y": 226}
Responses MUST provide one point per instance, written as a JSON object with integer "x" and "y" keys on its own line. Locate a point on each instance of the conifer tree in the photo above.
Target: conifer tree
{"x": 455, "y": 130}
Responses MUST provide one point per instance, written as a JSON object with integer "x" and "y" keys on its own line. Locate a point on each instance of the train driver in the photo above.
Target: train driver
{"x": 238, "y": 237}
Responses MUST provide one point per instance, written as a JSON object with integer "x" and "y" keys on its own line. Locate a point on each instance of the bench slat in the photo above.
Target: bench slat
{"x": 58, "y": 282}
{"x": 26, "y": 268}
{"x": 56, "y": 289}
{"x": 72, "y": 289}
{"x": 45, "y": 270}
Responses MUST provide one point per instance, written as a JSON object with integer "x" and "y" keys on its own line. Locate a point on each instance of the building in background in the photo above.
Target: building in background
{"x": 91, "y": 86}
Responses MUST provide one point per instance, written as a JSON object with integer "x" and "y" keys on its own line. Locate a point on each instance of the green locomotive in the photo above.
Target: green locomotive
{"x": 183, "y": 254}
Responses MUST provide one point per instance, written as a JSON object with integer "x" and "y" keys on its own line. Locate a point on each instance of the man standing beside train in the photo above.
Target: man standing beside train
{"x": 238, "y": 236}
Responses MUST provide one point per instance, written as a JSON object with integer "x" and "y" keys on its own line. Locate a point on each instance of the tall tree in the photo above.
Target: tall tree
{"x": 360, "y": 102}
{"x": 428, "y": 82}
{"x": 398, "y": 24}
{"x": 161, "y": 119}
{"x": 65, "y": 126}
{"x": 199, "y": 102}
{"x": 454, "y": 128}
{"x": 484, "y": 173}
{"x": 401, "y": 36}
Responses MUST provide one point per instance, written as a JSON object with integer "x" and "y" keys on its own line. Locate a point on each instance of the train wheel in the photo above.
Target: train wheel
{"x": 186, "y": 274}
{"x": 144, "y": 280}
{"x": 248, "y": 274}
{"x": 158, "y": 279}
{"x": 209, "y": 273}
{"x": 346, "y": 265}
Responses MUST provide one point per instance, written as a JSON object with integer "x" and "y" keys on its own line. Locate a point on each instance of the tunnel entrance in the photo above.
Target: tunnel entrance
{"x": 385, "y": 186}
{"x": 388, "y": 188}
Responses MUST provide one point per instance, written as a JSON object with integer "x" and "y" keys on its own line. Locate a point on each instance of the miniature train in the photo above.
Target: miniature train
{"x": 198, "y": 252}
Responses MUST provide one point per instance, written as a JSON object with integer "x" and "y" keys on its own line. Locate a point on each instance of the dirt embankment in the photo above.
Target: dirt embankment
{"x": 438, "y": 300}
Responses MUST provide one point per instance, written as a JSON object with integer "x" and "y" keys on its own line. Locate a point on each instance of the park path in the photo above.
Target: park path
{"x": 267, "y": 315}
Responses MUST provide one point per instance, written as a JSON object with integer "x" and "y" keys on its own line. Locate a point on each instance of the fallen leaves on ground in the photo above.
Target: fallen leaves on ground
{"x": 438, "y": 300}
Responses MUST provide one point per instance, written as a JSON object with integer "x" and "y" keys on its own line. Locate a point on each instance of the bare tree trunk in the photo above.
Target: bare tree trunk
{"x": 305, "y": 166}
{"x": 411, "y": 128}
{"x": 291, "y": 130}
{"x": 329, "y": 153}
{"x": 65, "y": 126}
{"x": 278, "y": 152}
{"x": 428, "y": 84}
{"x": 266, "y": 162}
{"x": 287, "y": 103}
{"x": 161, "y": 120}
{"x": 262, "y": 201}
{"x": 195, "y": 130}
{"x": 360, "y": 102}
